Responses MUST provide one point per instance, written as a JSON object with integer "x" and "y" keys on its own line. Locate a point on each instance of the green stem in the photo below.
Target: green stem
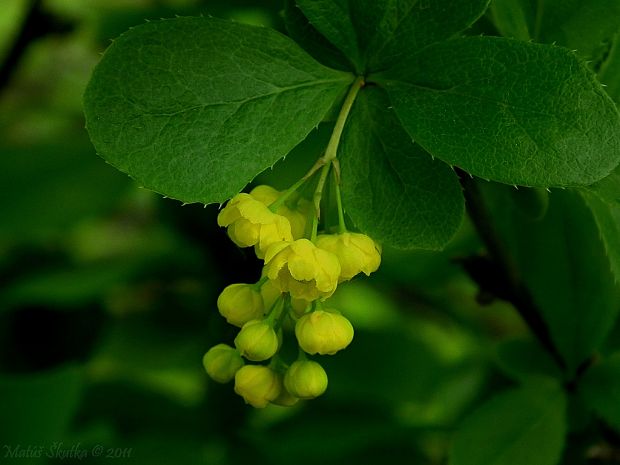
{"x": 260, "y": 283}
{"x": 332, "y": 147}
{"x": 318, "y": 192}
{"x": 301, "y": 355}
{"x": 277, "y": 364}
{"x": 315, "y": 228}
{"x": 331, "y": 152}
{"x": 342, "y": 227}
{"x": 286, "y": 194}
{"x": 275, "y": 310}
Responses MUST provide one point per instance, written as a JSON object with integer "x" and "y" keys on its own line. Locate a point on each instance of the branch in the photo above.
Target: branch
{"x": 497, "y": 273}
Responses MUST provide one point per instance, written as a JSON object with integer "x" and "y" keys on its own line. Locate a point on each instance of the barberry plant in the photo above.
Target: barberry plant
{"x": 427, "y": 113}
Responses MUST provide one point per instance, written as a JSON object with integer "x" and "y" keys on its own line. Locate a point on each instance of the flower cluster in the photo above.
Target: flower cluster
{"x": 301, "y": 270}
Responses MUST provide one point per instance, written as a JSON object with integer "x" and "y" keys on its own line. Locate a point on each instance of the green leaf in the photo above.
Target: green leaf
{"x": 509, "y": 111}
{"x": 332, "y": 18}
{"x": 392, "y": 189}
{"x": 398, "y": 28}
{"x": 600, "y": 388}
{"x": 194, "y": 108}
{"x": 585, "y": 26}
{"x": 563, "y": 264}
{"x": 603, "y": 198}
{"x": 305, "y": 34}
{"x": 524, "y": 359}
{"x": 522, "y": 426}
{"x": 377, "y": 34}
{"x": 37, "y": 408}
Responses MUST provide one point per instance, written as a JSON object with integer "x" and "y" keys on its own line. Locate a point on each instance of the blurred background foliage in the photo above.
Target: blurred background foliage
{"x": 107, "y": 291}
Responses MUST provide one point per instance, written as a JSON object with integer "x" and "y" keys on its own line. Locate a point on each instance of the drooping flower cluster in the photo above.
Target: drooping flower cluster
{"x": 301, "y": 270}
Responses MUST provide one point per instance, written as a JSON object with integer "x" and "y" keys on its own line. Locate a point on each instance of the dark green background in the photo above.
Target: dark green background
{"x": 107, "y": 294}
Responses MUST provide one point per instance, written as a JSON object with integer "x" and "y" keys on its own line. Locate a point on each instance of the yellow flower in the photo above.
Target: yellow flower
{"x": 258, "y": 385}
{"x": 240, "y": 303}
{"x": 297, "y": 217}
{"x": 265, "y": 194}
{"x": 323, "y": 332}
{"x": 302, "y": 269}
{"x": 222, "y": 362}
{"x": 356, "y": 252}
{"x": 251, "y": 223}
{"x": 305, "y": 379}
{"x": 257, "y": 340}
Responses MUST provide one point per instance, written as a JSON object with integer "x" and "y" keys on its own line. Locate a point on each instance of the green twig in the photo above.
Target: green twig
{"x": 506, "y": 270}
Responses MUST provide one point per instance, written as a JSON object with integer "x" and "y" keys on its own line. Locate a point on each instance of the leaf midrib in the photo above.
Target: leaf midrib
{"x": 241, "y": 102}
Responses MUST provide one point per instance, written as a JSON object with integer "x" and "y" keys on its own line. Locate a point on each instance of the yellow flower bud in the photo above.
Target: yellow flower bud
{"x": 240, "y": 303}
{"x": 297, "y": 216}
{"x": 258, "y": 385}
{"x": 222, "y": 362}
{"x": 257, "y": 340}
{"x": 305, "y": 379}
{"x": 302, "y": 269}
{"x": 323, "y": 332}
{"x": 356, "y": 253}
{"x": 251, "y": 223}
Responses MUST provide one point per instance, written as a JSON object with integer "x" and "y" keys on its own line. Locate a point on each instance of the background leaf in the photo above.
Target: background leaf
{"x": 585, "y": 26}
{"x": 521, "y": 426}
{"x": 37, "y": 408}
{"x": 564, "y": 266}
{"x": 507, "y": 110}
{"x": 600, "y": 388}
{"x": 603, "y": 198}
{"x": 392, "y": 189}
{"x": 76, "y": 185}
{"x": 524, "y": 358}
{"x": 186, "y": 106}
{"x": 609, "y": 72}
